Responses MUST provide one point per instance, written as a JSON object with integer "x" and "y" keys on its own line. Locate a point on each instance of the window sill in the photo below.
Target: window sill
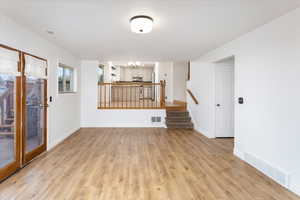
{"x": 67, "y": 93}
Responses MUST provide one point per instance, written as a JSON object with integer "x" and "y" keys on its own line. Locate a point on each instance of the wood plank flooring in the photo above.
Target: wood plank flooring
{"x": 141, "y": 164}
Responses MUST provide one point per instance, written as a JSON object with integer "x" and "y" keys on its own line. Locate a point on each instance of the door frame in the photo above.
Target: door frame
{"x": 215, "y": 63}
{"x": 14, "y": 166}
{"x": 27, "y": 157}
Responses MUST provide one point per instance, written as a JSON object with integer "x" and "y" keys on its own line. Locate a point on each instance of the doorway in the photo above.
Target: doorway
{"x": 224, "y": 98}
{"x": 34, "y": 108}
{"x": 23, "y": 121}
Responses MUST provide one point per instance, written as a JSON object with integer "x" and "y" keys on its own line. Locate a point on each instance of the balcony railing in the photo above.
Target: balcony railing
{"x": 131, "y": 95}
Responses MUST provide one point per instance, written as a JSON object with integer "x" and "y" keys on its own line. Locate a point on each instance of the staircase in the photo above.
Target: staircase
{"x": 179, "y": 119}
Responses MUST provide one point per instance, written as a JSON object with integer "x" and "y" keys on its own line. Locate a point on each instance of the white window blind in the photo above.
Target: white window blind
{"x": 35, "y": 67}
{"x": 9, "y": 60}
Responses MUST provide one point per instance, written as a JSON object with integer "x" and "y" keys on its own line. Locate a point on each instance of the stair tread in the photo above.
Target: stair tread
{"x": 180, "y": 127}
{"x": 179, "y": 120}
{"x": 178, "y": 117}
{"x": 189, "y": 125}
{"x": 177, "y": 111}
{"x": 177, "y": 114}
{"x": 179, "y": 123}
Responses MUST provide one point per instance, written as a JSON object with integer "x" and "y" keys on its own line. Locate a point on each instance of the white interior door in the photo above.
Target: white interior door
{"x": 224, "y": 100}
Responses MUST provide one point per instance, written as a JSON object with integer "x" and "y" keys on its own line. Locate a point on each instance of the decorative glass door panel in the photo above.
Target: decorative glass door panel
{"x": 7, "y": 119}
{"x": 35, "y": 101}
{"x": 35, "y": 107}
{"x": 23, "y": 109}
{"x": 10, "y": 111}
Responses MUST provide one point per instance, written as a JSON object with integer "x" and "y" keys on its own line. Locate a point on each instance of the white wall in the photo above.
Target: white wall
{"x": 202, "y": 86}
{"x": 91, "y": 116}
{"x": 180, "y": 77}
{"x": 165, "y": 72}
{"x": 64, "y": 112}
{"x": 267, "y": 76}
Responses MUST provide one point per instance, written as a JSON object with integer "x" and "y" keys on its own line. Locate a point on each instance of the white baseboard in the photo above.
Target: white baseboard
{"x": 295, "y": 189}
{"x": 191, "y": 115}
{"x": 53, "y": 144}
{"x": 278, "y": 175}
{"x": 197, "y": 128}
{"x": 238, "y": 153}
{"x": 203, "y": 132}
{"x": 275, "y": 173}
{"x": 294, "y": 182}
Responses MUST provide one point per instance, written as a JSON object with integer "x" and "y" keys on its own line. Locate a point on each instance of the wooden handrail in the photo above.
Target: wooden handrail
{"x": 131, "y": 95}
{"x": 162, "y": 94}
{"x": 192, "y": 96}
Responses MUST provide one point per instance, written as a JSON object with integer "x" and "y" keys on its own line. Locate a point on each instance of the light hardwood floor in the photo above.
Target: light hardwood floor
{"x": 141, "y": 164}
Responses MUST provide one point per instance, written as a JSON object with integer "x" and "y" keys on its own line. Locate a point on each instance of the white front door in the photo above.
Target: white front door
{"x": 224, "y": 100}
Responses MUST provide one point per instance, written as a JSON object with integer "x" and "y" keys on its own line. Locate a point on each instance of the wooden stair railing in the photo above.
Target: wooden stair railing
{"x": 192, "y": 96}
{"x": 162, "y": 94}
{"x": 131, "y": 95}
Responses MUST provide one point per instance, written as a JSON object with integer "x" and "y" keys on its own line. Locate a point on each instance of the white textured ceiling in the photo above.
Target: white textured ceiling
{"x": 183, "y": 29}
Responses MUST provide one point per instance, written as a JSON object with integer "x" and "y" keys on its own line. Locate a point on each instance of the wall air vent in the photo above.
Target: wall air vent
{"x": 155, "y": 119}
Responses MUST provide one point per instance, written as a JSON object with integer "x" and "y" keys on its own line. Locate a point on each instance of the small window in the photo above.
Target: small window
{"x": 65, "y": 79}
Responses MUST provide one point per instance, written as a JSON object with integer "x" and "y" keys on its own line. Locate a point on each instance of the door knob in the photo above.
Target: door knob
{"x": 218, "y": 105}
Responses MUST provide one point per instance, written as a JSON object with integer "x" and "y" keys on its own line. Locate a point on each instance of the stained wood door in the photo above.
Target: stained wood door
{"x": 23, "y": 109}
{"x": 10, "y": 111}
{"x": 34, "y": 107}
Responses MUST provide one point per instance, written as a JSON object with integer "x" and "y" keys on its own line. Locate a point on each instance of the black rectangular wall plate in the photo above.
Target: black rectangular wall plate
{"x": 241, "y": 100}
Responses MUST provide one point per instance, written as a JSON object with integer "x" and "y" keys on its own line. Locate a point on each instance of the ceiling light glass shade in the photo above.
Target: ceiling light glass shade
{"x": 141, "y": 24}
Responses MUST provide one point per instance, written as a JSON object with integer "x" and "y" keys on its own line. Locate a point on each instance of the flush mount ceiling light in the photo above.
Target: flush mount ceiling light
{"x": 141, "y": 24}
